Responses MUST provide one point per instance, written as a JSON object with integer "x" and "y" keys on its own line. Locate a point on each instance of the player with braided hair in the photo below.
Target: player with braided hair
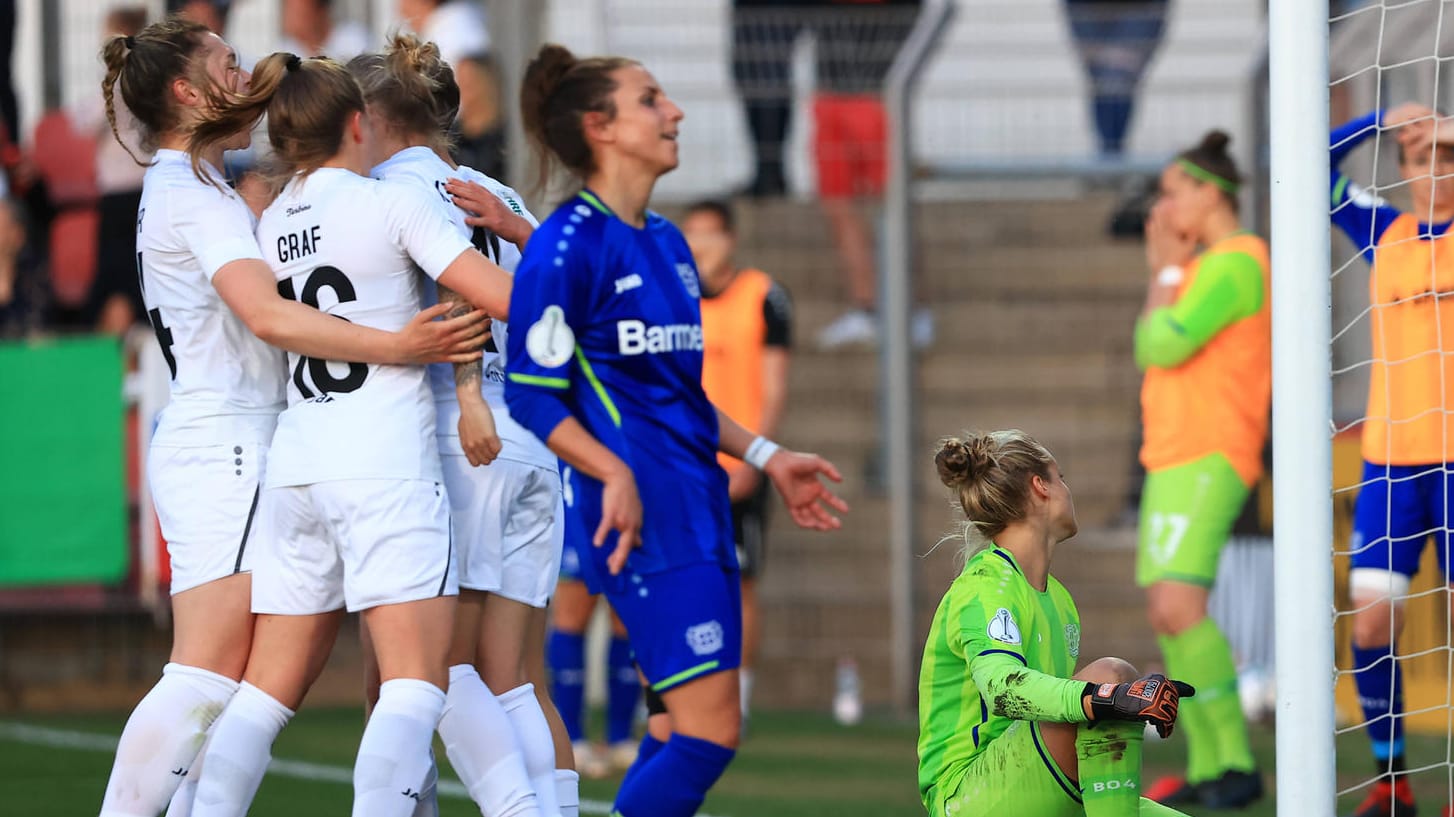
{"x": 1006, "y": 725}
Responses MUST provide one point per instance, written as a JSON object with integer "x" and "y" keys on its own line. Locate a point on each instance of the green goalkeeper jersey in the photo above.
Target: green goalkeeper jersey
{"x": 999, "y": 650}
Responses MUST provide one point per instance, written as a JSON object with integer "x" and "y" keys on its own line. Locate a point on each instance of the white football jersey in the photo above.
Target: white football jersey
{"x": 422, "y": 167}
{"x": 227, "y": 386}
{"x": 352, "y": 247}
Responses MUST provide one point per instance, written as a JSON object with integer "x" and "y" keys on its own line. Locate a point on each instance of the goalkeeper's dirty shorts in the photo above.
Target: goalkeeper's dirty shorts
{"x": 1015, "y": 774}
{"x": 1187, "y": 513}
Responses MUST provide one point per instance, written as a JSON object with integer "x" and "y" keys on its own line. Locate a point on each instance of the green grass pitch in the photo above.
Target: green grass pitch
{"x": 802, "y": 765}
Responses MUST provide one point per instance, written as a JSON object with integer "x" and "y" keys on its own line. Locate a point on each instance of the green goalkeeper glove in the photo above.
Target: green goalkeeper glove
{"x": 1151, "y": 698}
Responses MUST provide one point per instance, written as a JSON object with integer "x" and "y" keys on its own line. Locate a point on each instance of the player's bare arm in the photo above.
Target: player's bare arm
{"x": 249, "y": 289}
{"x": 477, "y": 434}
{"x": 795, "y": 474}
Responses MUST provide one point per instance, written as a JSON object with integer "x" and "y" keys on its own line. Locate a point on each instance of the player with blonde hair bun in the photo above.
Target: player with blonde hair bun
{"x": 504, "y": 485}
{"x": 1006, "y": 724}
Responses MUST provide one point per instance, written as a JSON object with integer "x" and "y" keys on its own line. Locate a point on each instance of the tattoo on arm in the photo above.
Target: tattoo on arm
{"x": 465, "y": 374}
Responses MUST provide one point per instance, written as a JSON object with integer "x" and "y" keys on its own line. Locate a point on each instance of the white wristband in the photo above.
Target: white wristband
{"x": 1170, "y": 275}
{"x": 759, "y": 452}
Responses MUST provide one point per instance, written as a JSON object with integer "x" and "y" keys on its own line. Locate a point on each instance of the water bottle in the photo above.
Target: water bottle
{"x": 848, "y": 700}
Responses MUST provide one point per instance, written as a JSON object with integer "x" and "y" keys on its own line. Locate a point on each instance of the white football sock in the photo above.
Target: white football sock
{"x": 162, "y": 738}
{"x": 181, "y": 805}
{"x": 480, "y": 743}
{"x": 532, "y": 733}
{"x": 238, "y": 753}
{"x": 429, "y": 795}
{"x": 568, "y": 792}
{"x": 393, "y": 756}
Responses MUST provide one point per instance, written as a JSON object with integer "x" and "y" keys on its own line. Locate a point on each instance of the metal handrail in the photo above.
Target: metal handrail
{"x": 896, "y": 374}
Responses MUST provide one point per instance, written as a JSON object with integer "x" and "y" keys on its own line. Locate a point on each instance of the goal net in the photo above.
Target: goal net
{"x": 1392, "y": 186}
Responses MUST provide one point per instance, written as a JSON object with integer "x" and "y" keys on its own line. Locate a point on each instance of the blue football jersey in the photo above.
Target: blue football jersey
{"x": 613, "y": 337}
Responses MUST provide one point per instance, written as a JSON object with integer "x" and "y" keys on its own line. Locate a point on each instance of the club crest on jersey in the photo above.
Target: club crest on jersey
{"x": 1072, "y": 640}
{"x": 688, "y": 274}
{"x": 550, "y": 341}
{"x": 705, "y": 638}
{"x": 1003, "y": 628}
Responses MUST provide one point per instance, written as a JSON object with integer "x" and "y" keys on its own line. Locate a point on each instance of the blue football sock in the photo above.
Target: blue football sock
{"x": 1380, "y": 692}
{"x": 645, "y": 751}
{"x": 567, "y": 653}
{"x": 624, "y": 692}
{"x": 676, "y": 781}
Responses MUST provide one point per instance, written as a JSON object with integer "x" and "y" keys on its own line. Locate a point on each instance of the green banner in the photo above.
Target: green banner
{"x": 62, "y": 467}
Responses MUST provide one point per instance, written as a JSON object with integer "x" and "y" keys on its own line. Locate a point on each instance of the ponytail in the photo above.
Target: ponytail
{"x": 143, "y": 67}
{"x": 307, "y": 103}
{"x": 559, "y": 89}
{"x": 411, "y": 86}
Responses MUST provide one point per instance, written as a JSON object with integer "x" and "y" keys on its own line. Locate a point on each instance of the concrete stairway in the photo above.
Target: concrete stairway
{"x": 1034, "y": 309}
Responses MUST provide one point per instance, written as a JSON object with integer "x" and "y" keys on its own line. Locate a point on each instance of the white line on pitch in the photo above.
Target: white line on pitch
{"x": 297, "y": 769}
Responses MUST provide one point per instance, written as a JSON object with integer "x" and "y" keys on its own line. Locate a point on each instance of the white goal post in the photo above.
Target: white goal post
{"x": 1302, "y": 406}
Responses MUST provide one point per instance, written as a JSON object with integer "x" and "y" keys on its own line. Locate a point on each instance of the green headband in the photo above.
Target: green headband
{"x": 1202, "y": 174}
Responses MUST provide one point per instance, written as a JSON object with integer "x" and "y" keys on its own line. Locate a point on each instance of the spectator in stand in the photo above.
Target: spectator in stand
{"x": 9, "y": 110}
{"x": 763, "y": 34}
{"x": 309, "y": 30}
{"x": 478, "y": 134}
{"x": 210, "y": 13}
{"x": 456, "y": 26}
{"x": 747, "y": 333}
{"x": 114, "y": 303}
{"x": 1116, "y": 40}
{"x": 24, "y": 296}
{"x": 857, "y": 42}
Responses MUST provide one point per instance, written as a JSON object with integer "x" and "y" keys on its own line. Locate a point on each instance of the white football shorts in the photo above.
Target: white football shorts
{"x": 206, "y": 499}
{"x": 509, "y": 524}
{"x": 356, "y": 543}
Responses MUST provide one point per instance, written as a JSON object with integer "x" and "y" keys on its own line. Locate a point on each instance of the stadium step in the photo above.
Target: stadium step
{"x": 1034, "y": 311}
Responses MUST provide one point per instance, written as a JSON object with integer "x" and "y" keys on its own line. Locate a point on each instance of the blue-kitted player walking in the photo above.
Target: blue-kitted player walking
{"x": 604, "y": 363}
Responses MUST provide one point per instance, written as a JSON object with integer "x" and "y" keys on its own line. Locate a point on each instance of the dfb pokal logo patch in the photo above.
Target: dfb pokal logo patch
{"x": 705, "y": 638}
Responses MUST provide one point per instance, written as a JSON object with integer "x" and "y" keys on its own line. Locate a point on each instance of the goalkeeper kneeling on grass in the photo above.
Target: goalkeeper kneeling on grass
{"x": 1006, "y": 725}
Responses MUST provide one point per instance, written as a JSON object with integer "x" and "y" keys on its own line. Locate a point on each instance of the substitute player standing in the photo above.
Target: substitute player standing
{"x": 213, "y": 303}
{"x": 1204, "y": 342}
{"x": 1407, "y": 440}
{"x": 605, "y": 365}
{"x": 353, "y": 507}
{"x": 747, "y": 329}
{"x": 1004, "y": 726}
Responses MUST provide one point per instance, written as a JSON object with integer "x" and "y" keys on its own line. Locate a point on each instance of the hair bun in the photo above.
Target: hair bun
{"x": 1215, "y": 142}
{"x": 953, "y": 462}
{"x": 552, "y": 62}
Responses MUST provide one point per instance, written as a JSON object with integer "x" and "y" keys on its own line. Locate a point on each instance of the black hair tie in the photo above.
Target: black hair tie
{"x": 293, "y": 62}
{"x": 129, "y": 40}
